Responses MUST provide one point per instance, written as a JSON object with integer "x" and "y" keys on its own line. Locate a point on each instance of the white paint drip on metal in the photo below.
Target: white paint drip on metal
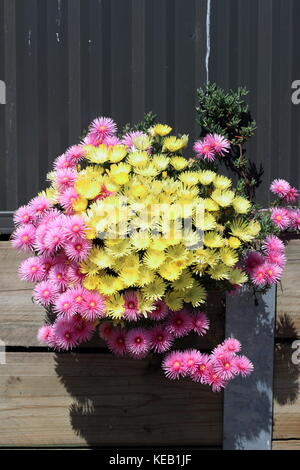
{"x": 208, "y": 14}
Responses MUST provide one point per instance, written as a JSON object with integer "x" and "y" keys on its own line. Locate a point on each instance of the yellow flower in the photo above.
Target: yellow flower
{"x": 179, "y": 163}
{"x": 141, "y": 142}
{"x": 244, "y": 231}
{"x": 207, "y": 222}
{"x": 154, "y": 290}
{"x": 185, "y": 281}
{"x": 101, "y": 258}
{"x": 213, "y": 240}
{"x": 145, "y": 305}
{"x": 115, "y": 306}
{"x": 146, "y": 276}
{"x": 154, "y": 258}
{"x": 88, "y": 184}
{"x": 117, "y": 153}
{"x": 140, "y": 240}
{"x": 223, "y": 198}
{"x": 206, "y": 177}
{"x": 219, "y": 272}
{"x": 162, "y": 129}
{"x": 241, "y": 205}
{"x": 109, "y": 285}
{"x": 233, "y": 242}
{"x": 173, "y": 301}
{"x": 196, "y": 295}
{"x": 237, "y": 277}
{"x": 120, "y": 173}
{"x": 211, "y": 205}
{"x": 171, "y": 269}
{"x": 228, "y": 256}
{"x": 172, "y": 144}
{"x": 222, "y": 182}
{"x": 90, "y": 282}
{"x": 254, "y": 227}
{"x": 80, "y": 204}
{"x": 189, "y": 178}
{"x": 98, "y": 155}
{"x": 138, "y": 159}
{"x": 161, "y": 162}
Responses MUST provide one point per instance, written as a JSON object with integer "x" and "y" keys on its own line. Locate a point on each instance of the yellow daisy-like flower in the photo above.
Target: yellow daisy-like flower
{"x": 223, "y": 198}
{"x": 222, "y": 182}
{"x": 154, "y": 290}
{"x": 233, "y": 242}
{"x": 145, "y": 305}
{"x": 174, "y": 301}
{"x": 80, "y": 204}
{"x": 87, "y": 186}
{"x": 254, "y": 228}
{"x": 90, "y": 282}
{"x": 179, "y": 163}
{"x": 117, "y": 153}
{"x": 101, "y": 258}
{"x": 213, "y": 240}
{"x": 115, "y": 306}
{"x": 185, "y": 281}
{"x": 206, "y": 177}
{"x": 207, "y": 222}
{"x": 138, "y": 159}
{"x": 211, "y": 205}
{"x": 161, "y": 162}
{"x": 237, "y": 277}
{"x": 153, "y": 259}
{"x": 119, "y": 173}
{"x": 141, "y": 142}
{"x": 241, "y": 205}
{"x": 228, "y": 256}
{"x": 162, "y": 129}
{"x": 108, "y": 285}
{"x": 172, "y": 144}
{"x": 189, "y": 178}
{"x": 140, "y": 240}
{"x": 196, "y": 295}
{"x": 146, "y": 276}
{"x": 243, "y": 230}
{"x": 219, "y": 272}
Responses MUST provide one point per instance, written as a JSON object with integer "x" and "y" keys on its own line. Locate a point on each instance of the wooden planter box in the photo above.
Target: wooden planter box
{"x": 91, "y": 398}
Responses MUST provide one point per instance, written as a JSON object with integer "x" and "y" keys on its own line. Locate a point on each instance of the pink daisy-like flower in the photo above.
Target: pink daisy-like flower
{"x": 128, "y": 138}
{"x": 58, "y": 274}
{"x": 45, "y": 293}
{"x": 74, "y": 274}
{"x": 218, "y": 353}
{"x": 102, "y": 127}
{"x": 243, "y": 365}
{"x": 280, "y": 217}
{"x": 218, "y": 143}
{"x": 54, "y": 238}
{"x": 39, "y": 205}
{"x": 78, "y": 250}
{"x": 63, "y": 162}
{"x": 24, "y": 237}
{"x": 84, "y": 328}
{"x": 131, "y": 306}
{"x": 292, "y": 196}
{"x": 74, "y": 227}
{"x": 280, "y": 187}
{"x": 215, "y": 380}
{"x": 259, "y": 275}
{"x": 138, "y": 342}
{"x": 111, "y": 141}
{"x": 203, "y": 149}
{"x": 179, "y": 323}
{"x": 65, "y": 333}
{"x": 273, "y": 244}
{"x": 75, "y": 153}
{"x": 94, "y": 306}
{"x": 31, "y": 270}
{"x": 40, "y": 236}
{"x": 161, "y": 340}
{"x": 116, "y": 341}
{"x": 174, "y": 365}
{"x": 23, "y": 215}
{"x": 295, "y": 219}
{"x": 231, "y": 345}
{"x": 273, "y": 272}
{"x": 191, "y": 357}
{"x": 253, "y": 260}
{"x": 45, "y": 334}
{"x": 276, "y": 258}
{"x": 47, "y": 262}
{"x": 91, "y": 140}
{"x": 105, "y": 330}
{"x": 79, "y": 295}
{"x": 67, "y": 198}
{"x": 225, "y": 366}
{"x": 200, "y": 323}
{"x": 64, "y": 304}
{"x": 65, "y": 178}
{"x": 202, "y": 368}
{"x": 160, "y": 311}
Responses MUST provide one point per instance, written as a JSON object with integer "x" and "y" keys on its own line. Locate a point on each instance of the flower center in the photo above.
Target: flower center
{"x": 75, "y": 228}
{"x": 138, "y": 340}
{"x": 33, "y": 269}
{"x": 92, "y": 304}
{"x": 25, "y": 238}
{"x": 176, "y": 364}
{"x": 131, "y": 305}
{"x": 160, "y": 337}
{"x": 178, "y": 321}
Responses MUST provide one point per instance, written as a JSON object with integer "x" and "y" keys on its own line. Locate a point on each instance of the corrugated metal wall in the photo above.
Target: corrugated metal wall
{"x": 66, "y": 61}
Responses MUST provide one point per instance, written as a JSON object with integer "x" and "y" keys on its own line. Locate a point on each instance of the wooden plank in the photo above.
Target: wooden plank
{"x": 20, "y": 318}
{"x": 96, "y": 399}
{"x": 286, "y": 394}
{"x": 286, "y": 445}
{"x": 248, "y": 402}
{"x": 288, "y": 295}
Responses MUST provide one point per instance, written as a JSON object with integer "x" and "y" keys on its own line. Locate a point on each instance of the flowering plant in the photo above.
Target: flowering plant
{"x": 128, "y": 237}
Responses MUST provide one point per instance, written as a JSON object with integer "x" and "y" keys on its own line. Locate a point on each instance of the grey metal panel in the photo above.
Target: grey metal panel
{"x": 66, "y": 61}
{"x": 248, "y": 402}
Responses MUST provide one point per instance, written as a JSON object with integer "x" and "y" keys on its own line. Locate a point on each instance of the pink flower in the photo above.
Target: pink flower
{"x": 280, "y": 187}
{"x": 214, "y": 380}
{"x": 74, "y": 274}
{"x": 203, "y": 149}
{"x": 79, "y": 296}
{"x": 74, "y": 227}
{"x": 45, "y": 334}
{"x": 116, "y": 341}
{"x": 292, "y": 196}
{"x": 31, "y": 270}
{"x": 111, "y": 141}
{"x": 84, "y": 328}
{"x": 131, "y": 306}
{"x": 225, "y": 366}
{"x": 39, "y": 205}
{"x": 179, "y": 323}
{"x": 273, "y": 272}
{"x": 202, "y": 368}
{"x": 295, "y": 219}
{"x": 138, "y": 342}
{"x": 218, "y": 143}
{"x": 160, "y": 312}
{"x": 23, "y": 215}
{"x": 243, "y": 365}
{"x": 94, "y": 306}
{"x": 231, "y": 345}
{"x": 218, "y": 352}
{"x": 102, "y": 127}
{"x": 58, "y": 274}
{"x": 75, "y": 153}
{"x": 128, "y": 138}
{"x": 45, "y": 293}
{"x": 66, "y": 335}
{"x": 65, "y": 178}
{"x": 259, "y": 275}
{"x": 54, "y": 238}
{"x": 64, "y": 304}
{"x": 276, "y": 258}
{"x": 161, "y": 340}
{"x": 192, "y": 357}
{"x": 63, "y": 162}
{"x": 174, "y": 365}
{"x": 273, "y": 244}
{"x": 280, "y": 217}
{"x": 24, "y": 237}
{"x": 253, "y": 260}
{"x": 200, "y": 323}
{"x": 106, "y": 330}
{"x": 67, "y": 198}
{"x": 78, "y": 250}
